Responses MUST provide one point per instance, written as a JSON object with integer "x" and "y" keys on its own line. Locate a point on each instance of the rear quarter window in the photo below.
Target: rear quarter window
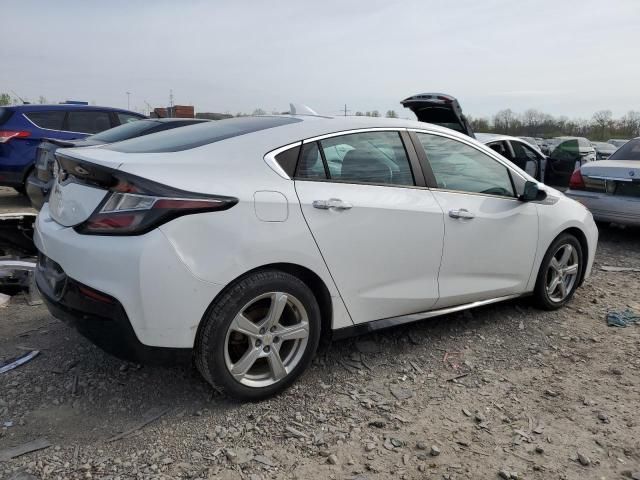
{"x": 178, "y": 139}
{"x": 50, "y": 120}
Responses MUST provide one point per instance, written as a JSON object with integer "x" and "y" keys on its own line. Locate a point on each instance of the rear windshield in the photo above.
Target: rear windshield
{"x": 186, "y": 138}
{"x": 125, "y": 131}
{"x": 628, "y": 151}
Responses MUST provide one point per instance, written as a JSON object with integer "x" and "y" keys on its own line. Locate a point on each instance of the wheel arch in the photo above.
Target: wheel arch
{"x": 582, "y": 240}
{"x": 309, "y": 277}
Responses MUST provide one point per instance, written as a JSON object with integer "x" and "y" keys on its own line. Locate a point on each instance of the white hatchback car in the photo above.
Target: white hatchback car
{"x": 246, "y": 240}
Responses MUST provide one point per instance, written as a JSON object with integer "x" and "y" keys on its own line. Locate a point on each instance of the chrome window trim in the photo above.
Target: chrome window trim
{"x": 270, "y": 159}
{"x": 350, "y": 132}
{"x": 613, "y": 179}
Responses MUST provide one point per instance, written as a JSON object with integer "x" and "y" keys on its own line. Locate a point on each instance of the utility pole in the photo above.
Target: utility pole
{"x": 171, "y": 98}
{"x": 128, "y": 103}
{"x": 345, "y": 110}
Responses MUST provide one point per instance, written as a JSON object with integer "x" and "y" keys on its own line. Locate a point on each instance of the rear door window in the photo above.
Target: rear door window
{"x": 370, "y": 157}
{"x": 88, "y": 121}
{"x": 501, "y": 148}
{"x": 50, "y": 120}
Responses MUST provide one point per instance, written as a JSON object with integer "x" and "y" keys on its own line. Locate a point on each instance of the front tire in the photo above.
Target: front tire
{"x": 560, "y": 273}
{"x": 259, "y": 335}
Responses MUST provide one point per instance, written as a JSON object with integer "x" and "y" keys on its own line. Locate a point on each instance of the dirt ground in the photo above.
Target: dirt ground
{"x": 505, "y": 391}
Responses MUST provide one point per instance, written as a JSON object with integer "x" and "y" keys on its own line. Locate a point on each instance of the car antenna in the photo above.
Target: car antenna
{"x": 20, "y": 98}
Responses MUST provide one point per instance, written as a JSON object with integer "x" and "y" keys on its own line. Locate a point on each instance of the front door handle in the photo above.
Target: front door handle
{"x": 461, "y": 213}
{"x": 334, "y": 203}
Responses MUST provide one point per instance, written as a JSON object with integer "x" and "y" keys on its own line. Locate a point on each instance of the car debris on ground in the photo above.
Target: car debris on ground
{"x": 623, "y": 318}
{"x": 16, "y": 362}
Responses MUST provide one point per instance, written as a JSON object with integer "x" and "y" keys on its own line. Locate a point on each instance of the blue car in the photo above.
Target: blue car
{"x": 22, "y": 128}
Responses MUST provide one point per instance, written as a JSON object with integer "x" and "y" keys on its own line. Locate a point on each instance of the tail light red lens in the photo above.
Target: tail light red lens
{"x": 6, "y": 135}
{"x": 134, "y": 214}
{"x": 576, "y": 182}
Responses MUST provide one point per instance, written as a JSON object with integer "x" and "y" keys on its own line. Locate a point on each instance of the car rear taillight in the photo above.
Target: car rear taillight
{"x": 135, "y": 206}
{"x": 577, "y": 182}
{"x": 134, "y": 214}
{"x": 6, "y": 135}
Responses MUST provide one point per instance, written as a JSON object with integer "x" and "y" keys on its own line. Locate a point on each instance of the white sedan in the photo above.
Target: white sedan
{"x": 243, "y": 242}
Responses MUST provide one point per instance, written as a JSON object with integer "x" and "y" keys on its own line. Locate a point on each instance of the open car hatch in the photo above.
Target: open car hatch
{"x": 439, "y": 109}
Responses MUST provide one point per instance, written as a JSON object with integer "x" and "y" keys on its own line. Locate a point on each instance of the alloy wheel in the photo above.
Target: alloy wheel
{"x": 562, "y": 273}
{"x": 266, "y": 339}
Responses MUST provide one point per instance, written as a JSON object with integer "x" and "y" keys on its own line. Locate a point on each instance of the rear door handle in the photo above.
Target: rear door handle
{"x": 334, "y": 203}
{"x": 461, "y": 213}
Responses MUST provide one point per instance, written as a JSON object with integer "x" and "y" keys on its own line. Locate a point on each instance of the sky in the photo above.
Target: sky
{"x": 563, "y": 57}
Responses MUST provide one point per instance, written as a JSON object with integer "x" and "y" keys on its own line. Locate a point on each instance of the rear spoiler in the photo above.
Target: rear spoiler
{"x": 58, "y": 142}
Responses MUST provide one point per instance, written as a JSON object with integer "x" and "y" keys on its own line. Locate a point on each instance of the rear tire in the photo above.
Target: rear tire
{"x": 560, "y": 273}
{"x": 259, "y": 335}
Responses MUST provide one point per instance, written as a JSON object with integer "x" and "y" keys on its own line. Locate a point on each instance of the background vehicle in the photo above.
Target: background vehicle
{"x": 603, "y": 149}
{"x": 617, "y": 142}
{"x": 611, "y": 188}
{"x": 22, "y": 128}
{"x": 569, "y": 154}
{"x": 40, "y": 180}
{"x": 439, "y": 109}
{"x": 286, "y": 228}
{"x": 517, "y": 151}
{"x": 531, "y": 141}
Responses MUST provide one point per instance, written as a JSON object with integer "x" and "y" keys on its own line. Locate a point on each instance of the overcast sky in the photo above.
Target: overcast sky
{"x": 564, "y": 57}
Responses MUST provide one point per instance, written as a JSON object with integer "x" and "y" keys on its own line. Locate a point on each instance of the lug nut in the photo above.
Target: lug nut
{"x": 258, "y": 343}
{"x": 267, "y": 348}
{"x": 273, "y": 329}
{"x": 262, "y": 331}
{"x": 276, "y": 339}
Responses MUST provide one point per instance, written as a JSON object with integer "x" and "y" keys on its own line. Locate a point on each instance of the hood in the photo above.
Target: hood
{"x": 618, "y": 169}
{"x": 439, "y": 109}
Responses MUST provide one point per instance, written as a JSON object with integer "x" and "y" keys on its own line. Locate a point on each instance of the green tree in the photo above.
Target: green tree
{"x": 5, "y": 99}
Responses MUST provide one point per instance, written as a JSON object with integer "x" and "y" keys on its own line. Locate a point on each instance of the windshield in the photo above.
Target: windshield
{"x": 123, "y": 132}
{"x": 628, "y": 151}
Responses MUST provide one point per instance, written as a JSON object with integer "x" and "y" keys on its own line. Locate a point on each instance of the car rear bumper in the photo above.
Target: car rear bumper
{"x": 609, "y": 208}
{"x": 100, "y": 318}
{"x": 160, "y": 297}
{"x": 37, "y": 190}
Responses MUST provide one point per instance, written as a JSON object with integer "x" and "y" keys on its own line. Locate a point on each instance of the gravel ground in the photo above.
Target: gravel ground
{"x": 505, "y": 391}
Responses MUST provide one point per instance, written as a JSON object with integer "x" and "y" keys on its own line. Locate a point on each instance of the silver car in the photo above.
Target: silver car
{"x": 611, "y": 188}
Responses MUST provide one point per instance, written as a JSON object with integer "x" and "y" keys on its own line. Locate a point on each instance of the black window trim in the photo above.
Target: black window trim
{"x": 432, "y": 183}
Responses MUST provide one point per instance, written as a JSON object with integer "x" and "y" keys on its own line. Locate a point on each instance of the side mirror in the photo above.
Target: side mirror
{"x": 532, "y": 193}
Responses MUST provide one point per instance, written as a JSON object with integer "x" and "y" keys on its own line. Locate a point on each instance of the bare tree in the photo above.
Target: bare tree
{"x": 391, "y": 114}
{"x": 602, "y": 119}
{"x": 259, "y": 111}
